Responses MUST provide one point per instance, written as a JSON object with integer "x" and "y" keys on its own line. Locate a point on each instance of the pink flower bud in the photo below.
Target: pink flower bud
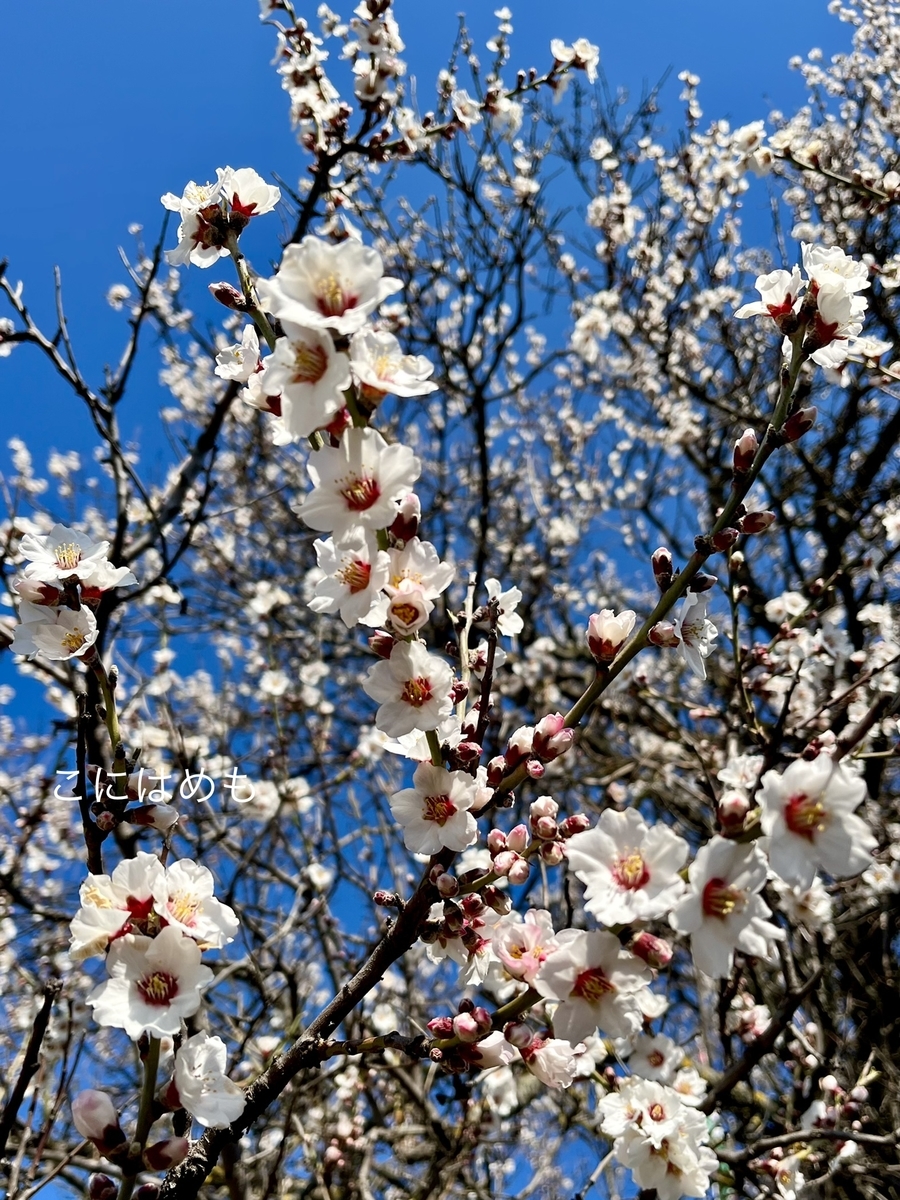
{"x": 406, "y": 522}
{"x": 801, "y": 422}
{"x": 535, "y": 768}
{"x": 504, "y": 862}
{"x": 466, "y": 1028}
{"x": 663, "y": 568}
{"x": 725, "y": 538}
{"x": 385, "y": 899}
{"x": 551, "y": 737}
{"x": 544, "y": 806}
{"x": 745, "y": 449}
{"x": 607, "y": 631}
{"x": 447, "y": 885}
{"x": 518, "y": 838}
{"x": 147, "y": 1191}
{"x": 496, "y": 769}
{"x": 552, "y": 853}
{"x": 756, "y": 522}
{"x": 107, "y": 821}
{"x": 483, "y": 1019}
{"x": 453, "y": 916}
{"x": 655, "y": 951}
{"x": 496, "y": 841}
{"x": 577, "y": 823}
{"x": 167, "y": 1153}
{"x": 38, "y": 593}
{"x": 229, "y": 296}
{"x": 702, "y": 582}
{"x": 101, "y": 1187}
{"x": 381, "y": 643}
{"x": 546, "y": 828}
{"x": 441, "y": 1027}
{"x": 473, "y": 906}
{"x": 732, "y": 809}
{"x": 518, "y": 1034}
{"x": 663, "y": 634}
{"x": 519, "y": 871}
{"x": 458, "y": 691}
{"x": 519, "y": 745}
{"x": 94, "y": 1116}
{"x": 467, "y": 752}
{"x": 496, "y": 900}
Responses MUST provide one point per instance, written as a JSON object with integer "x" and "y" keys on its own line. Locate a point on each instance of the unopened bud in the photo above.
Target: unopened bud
{"x": 147, "y": 1191}
{"x": 382, "y": 644}
{"x": 607, "y": 631}
{"x": 551, "y": 737}
{"x": 519, "y": 871}
{"x": 663, "y": 634}
{"x": 544, "y": 806}
{"x": 504, "y": 862}
{"x": 745, "y": 449}
{"x": 552, "y": 853}
{"x": 94, "y": 1116}
{"x": 473, "y": 905}
{"x": 577, "y": 823}
{"x": 702, "y": 582}
{"x": 798, "y": 424}
{"x": 467, "y": 752}
{"x": 167, "y": 1153}
{"x": 458, "y": 691}
{"x": 453, "y": 916}
{"x": 725, "y": 538}
{"x": 229, "y": 296}
{"x": 33, "y": 590}
{"x": 441, "y": 1027}
{"x": 447, "y": 885}
{"x": 546, "y": 829}
{"x": 101, "y": 1187}
{"x": 386, "y": 899}
{"x": 756, "y": 522}
{"x": 732, "y": 809}
{"x": 496, "y": 769}
{"x": 107, "y": 821}
{"x": 519, "y": 745}
{"x": 518, "y": 1034}
{"x": 535, "y": 768}
{"x": 406, "y": 522}
{"x": 496, "y": 900}
{"x": 154, "y": 816}
{"x": 655, "y": 951}
{"x": 518, "y": 838}
{"x": 466, "y": 1028}
{"x": 663, "y": 568}
{"x": 496, "y": 841}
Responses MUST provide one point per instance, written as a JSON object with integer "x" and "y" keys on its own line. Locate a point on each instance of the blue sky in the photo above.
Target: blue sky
{"x": 117, "y": 104}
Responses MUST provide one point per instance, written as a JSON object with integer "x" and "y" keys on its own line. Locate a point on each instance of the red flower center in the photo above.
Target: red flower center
{"x": 630, "y": 871}
{"x": 310, "y": 364}
{"x": 158, "y": 989}
{"x": 805, "y": 815}
{"x": 720, "y": 900}
{"x": 360, "y": 492}
{"x": 592, "y": 985}
{"x": 438, "y": 809}
{"x": 331, "y": 299}
{"x": 416, "y": 691}
{"x": 356, "y": 575}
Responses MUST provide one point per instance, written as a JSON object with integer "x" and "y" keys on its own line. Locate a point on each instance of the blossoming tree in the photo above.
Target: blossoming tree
{"x": 484, "y": 738}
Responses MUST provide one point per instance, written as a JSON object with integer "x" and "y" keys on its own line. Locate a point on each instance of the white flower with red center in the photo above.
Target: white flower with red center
{"x": 553, "y": 1061}
{"x": 655, "y": 1058}
{"x": 412, "y": 688}
{"x": 523, "y": 943}
{"x": 509, "y": 623}
{"x": 607, "y": 631}
{"x": 596, "y": 983}
{"x": 200, "y": 1084}
{"x": 830, "y": 269}
{"x": 184, "y": 899}
{"x": 420, "y": 563}
{"x": 779, "y": 292}
{"x": 325, "y": 286}
{"x": 723, "y": 911}
{"x": 471, "y": 948}
{"x": 154, "y": 984}
{"x": 641, "y": 1104}
{"x": 58, "y": 634}
{"x": 355, "y": 571}
{"x": 245, "y": 192}
{"x": 358, "y": 482}
{"x": 380, "y": 367}
{"x": 434, "y": 812}
{"x": 113, "y": 905}
{"x": 808, "y": 814}
{"x": 310, "y": 376}
{"x": 630, "y": 870}
{"x": 199, "y": 240}
{"x": 695, "y": 632}
{"x": 241, "y": 361}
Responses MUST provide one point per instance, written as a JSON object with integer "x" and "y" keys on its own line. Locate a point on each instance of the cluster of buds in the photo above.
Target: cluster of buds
{"x": 463, "y": 918}
{"x": 534, "y": 746}
{"x": 469, "y": 1028}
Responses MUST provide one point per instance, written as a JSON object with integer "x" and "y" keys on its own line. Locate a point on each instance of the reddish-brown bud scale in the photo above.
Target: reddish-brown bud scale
{"x": 798, "y": 424}
{"x": 663, "y": 568}
{"x": 756, "y": 522}
{"x": 381, "y": 643}
{"x": 725, "y": 538}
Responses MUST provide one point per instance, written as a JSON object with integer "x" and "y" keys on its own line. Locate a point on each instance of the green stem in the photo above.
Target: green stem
{"x": 435, "y": 747}
{"x": 111, "y": 720}
{"x": 254, "y": 312}
{"x": 144, "y": 1120}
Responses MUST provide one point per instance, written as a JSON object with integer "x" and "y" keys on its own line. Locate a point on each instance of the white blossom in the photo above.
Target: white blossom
{"x": 434, "y": 812}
